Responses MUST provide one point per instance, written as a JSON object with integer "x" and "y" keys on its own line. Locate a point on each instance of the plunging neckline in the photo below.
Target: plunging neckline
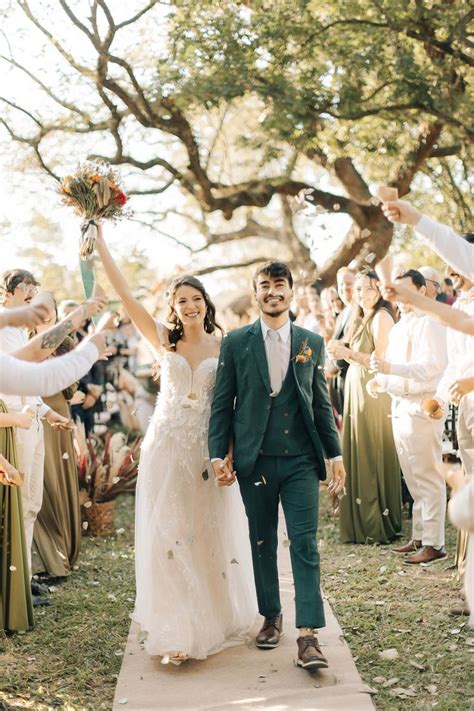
{"x": 193, "y": 370}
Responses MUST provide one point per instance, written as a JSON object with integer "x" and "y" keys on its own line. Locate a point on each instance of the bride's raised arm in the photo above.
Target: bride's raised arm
{"x": 138, "y": 314}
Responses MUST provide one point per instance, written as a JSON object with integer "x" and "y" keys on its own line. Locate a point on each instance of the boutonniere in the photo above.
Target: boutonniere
{"x": 304, "y": 354}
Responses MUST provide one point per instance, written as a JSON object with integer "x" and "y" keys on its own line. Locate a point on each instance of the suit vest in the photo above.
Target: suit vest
{"x": 286, "y": 434}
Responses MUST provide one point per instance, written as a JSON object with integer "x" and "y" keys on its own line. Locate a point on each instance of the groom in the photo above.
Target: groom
{"x": 271, "y": 401}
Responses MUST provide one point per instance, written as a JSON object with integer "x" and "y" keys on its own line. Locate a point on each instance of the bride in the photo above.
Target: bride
{"x": 195, "y": 592}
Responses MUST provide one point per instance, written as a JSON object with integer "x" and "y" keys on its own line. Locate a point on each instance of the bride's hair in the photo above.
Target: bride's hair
{"x": 176, "y": 327}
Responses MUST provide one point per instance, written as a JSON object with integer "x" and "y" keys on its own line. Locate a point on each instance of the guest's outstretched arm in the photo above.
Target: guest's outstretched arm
{"x": 145, "y": 323}
{"x": 45, "y": 343}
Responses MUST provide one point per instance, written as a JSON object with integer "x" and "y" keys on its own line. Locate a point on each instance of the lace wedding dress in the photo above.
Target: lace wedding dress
{"x": 195, "y": 588}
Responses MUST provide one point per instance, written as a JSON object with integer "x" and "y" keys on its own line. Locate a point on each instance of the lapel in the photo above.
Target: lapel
{"x": 258, "y": 350}
{"x": 295, "y": 344}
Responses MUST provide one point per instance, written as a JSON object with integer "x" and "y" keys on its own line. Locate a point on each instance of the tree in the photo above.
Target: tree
{"x": 247, "y": 104}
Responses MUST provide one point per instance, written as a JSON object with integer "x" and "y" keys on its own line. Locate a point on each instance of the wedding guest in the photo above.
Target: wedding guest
{"x": 371, "y": 511}
{"x": 433, "y": 281}
{"x": 414, "y": 362}
{"x": 313, "y": 319}
{"x": 337, "y": 369}
{"x": 16, "y": 603}
{"x": 57, "y": 530}
{"x": 448, "y": 291}
{"x": 460, "y": 364}
{"x": 18, "y": 288}
{"x": 450, "y": 246}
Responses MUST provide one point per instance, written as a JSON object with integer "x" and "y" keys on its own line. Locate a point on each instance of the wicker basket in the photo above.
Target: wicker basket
{"x": 101, "y": 518}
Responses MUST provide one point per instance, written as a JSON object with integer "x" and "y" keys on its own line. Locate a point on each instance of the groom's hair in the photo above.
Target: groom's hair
{"x": 273, "y": 270}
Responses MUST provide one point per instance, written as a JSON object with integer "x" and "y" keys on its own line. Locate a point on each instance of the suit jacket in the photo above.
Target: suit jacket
{"x": 242, "y": 403}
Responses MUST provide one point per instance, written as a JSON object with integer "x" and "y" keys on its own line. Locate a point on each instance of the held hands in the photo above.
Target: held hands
{"x": 433, "y": 408}
{"x": 224, "y": 471}
{"x": 398, "y": 292}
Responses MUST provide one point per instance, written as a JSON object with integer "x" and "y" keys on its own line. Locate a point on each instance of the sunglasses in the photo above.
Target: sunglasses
{"x": 27, "y": 286}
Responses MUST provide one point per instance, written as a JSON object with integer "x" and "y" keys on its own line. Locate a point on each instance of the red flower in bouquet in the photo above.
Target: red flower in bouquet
{"x": 121, "y": 197}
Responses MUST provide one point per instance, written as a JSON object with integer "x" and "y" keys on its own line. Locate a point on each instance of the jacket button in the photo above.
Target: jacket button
{"x": 286, "y": 414}
{"x": 261, "y": 451}
{"x": 286, "y": 451}
{"x": 286, "y": 431}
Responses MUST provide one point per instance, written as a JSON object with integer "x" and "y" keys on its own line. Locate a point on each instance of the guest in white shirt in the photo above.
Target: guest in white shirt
{"x": 460, "y": 366}
{"x": 414, "y": 362}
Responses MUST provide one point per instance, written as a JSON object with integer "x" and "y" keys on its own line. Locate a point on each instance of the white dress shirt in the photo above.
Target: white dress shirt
{"x": 450, "y": 246}
{"x": 14, "y": 339}
{"x": 460, "y": 349}
{"x": 285, "y": 344}
{"x": 417, "y": 356}
{"x": 21, "y": 377}
{"x": 311, "y": 323}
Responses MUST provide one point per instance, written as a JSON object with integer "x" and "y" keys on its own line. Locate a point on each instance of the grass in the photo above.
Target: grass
{"x": 382, "y": 604}
{"x": 71, "y": 660}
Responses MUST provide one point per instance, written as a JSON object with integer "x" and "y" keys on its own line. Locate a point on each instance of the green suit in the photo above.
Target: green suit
{"x": 279, "y": 449}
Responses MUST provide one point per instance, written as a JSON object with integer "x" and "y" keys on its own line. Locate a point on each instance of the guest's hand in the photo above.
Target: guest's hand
{"x": 9, "y": 475}
{"x": 24, "y": 420}
{"x": 94, "y": 305}
{"x": 433, "y": 408}
{"x": 455, "y": 478}
{"x": 57, "y": 421}
{"x": 336, "y": 485}
{"x": 100, "y": 342}
{"x": 372, "y": 388}
{"x": 459, "y": 388}
{"x": 378, "y": 365}
{"x": 78, "y": 398}
{"x": 337, "y": 350}
{"x": 402, "y": 212}
{"x": 398, "y": 292}
{"x": 26, "y": 316}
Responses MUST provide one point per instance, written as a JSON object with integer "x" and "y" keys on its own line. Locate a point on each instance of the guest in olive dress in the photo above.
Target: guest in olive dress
{"x": 16, "y": 606}
{"x": 371, "y": 510}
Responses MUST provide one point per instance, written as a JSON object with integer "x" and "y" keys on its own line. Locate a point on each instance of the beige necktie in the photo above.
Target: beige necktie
{"x": 274, "y": 362}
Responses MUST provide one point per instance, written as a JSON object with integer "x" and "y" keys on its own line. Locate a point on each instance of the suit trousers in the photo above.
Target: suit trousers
{"x": 418, "y": 442}
{"x": 293, "y": 481}
{"x": 30, "y": 447}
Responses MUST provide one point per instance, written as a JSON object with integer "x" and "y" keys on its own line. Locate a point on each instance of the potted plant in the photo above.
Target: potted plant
{"x": 107, "y": 467}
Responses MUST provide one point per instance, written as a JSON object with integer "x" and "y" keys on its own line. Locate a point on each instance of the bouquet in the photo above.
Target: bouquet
{"x": 95, "y": 192}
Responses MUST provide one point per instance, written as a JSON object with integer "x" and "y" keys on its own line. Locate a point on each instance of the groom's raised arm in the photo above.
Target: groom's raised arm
{"x": 322, "y": 411}
{"x": 220, "y": 423}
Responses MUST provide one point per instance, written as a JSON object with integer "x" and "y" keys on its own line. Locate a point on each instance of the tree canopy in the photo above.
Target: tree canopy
{"x": 242, "y": 105}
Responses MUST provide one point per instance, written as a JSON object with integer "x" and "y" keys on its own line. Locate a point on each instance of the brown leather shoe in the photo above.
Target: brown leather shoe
{"x": 426, "y": 556}
{"x": 410, "y": 547}
{"x": 309, "y": 653}
{"x": 269, "y": 635}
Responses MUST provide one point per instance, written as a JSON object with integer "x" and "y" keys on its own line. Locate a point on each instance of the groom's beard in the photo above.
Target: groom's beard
{"x": 275, "y": 311}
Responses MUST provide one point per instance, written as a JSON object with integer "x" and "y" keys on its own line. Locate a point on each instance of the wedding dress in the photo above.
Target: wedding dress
{"x": 195, "y": 587}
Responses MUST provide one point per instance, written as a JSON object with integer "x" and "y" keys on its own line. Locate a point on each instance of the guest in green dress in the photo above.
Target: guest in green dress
{"x": 16, "y": 606}
{"x": 57, "y": 532}
{"x": 371, "y": 510}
